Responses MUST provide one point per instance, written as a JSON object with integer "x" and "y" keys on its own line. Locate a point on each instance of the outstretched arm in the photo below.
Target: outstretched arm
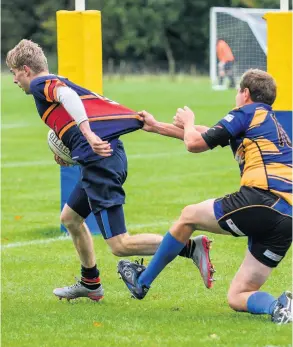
{"x": 193, "y": 139}
{"x": 165, "y": 129}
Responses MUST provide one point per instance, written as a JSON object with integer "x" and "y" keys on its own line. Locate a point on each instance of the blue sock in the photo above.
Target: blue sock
{"x": 261, "y": 303}
{"x": 167, "y": 251}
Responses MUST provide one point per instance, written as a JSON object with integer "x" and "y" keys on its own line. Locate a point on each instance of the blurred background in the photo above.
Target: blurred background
{"x": 139, "y": 36}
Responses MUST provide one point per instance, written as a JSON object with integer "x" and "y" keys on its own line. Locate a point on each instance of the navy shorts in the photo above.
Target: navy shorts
{"x": 103, "y": 179}
{"x": 262, "y": 216}
{"x": 100, "y": 191}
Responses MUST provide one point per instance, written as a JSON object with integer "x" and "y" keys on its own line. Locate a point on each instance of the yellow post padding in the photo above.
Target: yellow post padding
{"x": 279, "y": 56}
{"x": 79, "y": 46}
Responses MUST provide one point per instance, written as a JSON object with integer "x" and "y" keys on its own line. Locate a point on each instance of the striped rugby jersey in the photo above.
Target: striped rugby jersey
{"x": 107, "y": 118}
{"x": 262, "y": 149}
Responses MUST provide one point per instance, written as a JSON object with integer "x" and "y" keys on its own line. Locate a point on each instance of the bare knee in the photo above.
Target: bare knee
{"x": 188, "y": 215}
{"x": 234, "y": 300}
{"x": 237, "y": 298}
{"x": 117, "y": 246}
{"x": 120, "y": 245}
{"x": 70, "y": 219}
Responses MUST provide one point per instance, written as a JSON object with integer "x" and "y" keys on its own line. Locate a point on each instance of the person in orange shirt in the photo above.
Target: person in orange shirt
{"x": 226, "y": 61}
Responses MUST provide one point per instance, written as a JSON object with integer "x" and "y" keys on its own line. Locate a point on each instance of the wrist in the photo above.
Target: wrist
{"x": 188, "y": 124}
{"x": 85, "y": 129}
{"x": 155, "y": 128}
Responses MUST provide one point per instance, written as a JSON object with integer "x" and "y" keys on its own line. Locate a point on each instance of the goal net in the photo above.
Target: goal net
{"x": 244, "y": 30}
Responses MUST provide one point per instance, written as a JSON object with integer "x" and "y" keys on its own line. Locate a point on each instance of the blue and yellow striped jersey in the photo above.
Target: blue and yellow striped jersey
{"x": 262, "y": 149}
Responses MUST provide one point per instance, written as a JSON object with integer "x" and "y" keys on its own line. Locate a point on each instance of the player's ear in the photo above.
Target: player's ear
{"x": 246, "y": 94}
{"x": 26, "y": 69}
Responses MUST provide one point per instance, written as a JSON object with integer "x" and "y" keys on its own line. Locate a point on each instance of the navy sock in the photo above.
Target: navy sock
{"x": 90, "y": 273}
{"x": 261, "y": 303}
{"x": 90, "y": 277}
{"x": 167, "y": 251}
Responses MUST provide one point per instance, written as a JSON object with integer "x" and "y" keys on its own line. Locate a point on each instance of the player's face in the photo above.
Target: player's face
{"x": 240, "y": 98}
{"x": 21, "y": 78}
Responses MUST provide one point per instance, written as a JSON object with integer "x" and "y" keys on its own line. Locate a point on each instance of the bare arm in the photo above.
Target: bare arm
{"x": 165, "y": 129}
{"x": 193, "y": 140}
{"x": 201, "y": 128}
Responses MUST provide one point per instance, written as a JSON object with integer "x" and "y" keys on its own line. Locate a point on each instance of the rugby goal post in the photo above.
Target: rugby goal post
{"x": 245, "y": 31}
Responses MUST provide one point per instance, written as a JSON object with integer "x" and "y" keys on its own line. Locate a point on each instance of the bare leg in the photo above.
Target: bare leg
{"x": 201, "y": 217}
{"x": 141, "y": 244}
{"x": 196, "y": 217}
{"x": 81, "y": 236}
{"x": 250, "y": 277}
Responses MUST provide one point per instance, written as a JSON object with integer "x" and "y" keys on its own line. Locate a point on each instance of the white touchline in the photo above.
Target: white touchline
{"x": 52, "y": 162}
{"x": 18, "y": 125}
{"x": 67, "y": 238}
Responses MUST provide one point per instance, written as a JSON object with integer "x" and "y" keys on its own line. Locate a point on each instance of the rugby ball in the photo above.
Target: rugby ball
{"x": 58, "y": 148}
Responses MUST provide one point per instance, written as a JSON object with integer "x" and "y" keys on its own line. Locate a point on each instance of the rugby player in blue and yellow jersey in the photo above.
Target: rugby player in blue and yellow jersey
{"x": 261, "y": 210}
{"x": 90, "y": 125}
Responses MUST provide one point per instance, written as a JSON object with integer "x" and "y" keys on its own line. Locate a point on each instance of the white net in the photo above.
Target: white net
{"x": 244, "y": 30}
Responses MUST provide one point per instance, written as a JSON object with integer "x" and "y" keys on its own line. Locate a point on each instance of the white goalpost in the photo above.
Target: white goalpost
{"x": 244, "y": 30}
{"x": 79, "y": 5}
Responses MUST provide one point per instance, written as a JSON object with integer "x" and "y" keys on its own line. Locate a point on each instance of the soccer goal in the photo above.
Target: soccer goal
{"x": 244, "y": 31}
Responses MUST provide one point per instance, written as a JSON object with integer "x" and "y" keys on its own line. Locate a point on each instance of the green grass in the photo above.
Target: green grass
{"x": 178, "y": 311}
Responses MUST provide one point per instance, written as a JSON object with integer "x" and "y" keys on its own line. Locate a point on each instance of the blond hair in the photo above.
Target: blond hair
{"x": 28, "y": 53}
{"x": 261, "y": 85}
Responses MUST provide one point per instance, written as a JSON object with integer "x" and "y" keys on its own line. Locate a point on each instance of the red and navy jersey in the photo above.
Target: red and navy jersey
{"x": 262, "y": 149}
{"x": 107, "y": 118}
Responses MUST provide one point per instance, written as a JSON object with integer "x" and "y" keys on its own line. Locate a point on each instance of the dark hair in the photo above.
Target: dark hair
{"x": 261, "y": 85}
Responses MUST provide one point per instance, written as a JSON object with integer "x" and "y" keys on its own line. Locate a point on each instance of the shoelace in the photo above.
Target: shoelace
{"x": 285, "y": 315}
{"x": 139, "y": 263}
{"x": 77, "y": 284}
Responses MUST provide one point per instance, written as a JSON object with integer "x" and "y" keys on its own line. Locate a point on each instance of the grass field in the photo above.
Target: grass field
{"x": 178, "y": 311}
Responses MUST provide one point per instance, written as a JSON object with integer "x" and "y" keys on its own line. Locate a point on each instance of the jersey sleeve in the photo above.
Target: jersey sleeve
{"x": 46, "y": 90}
{"x": 236, "y": 122}
{"x": 216, "y": 136}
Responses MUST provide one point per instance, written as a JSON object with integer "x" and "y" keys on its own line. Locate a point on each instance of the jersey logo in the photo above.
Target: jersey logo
{"x": 229, "y": 117}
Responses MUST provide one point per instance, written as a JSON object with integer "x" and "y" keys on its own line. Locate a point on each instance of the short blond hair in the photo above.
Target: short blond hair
{"x": 261, "y": 85}
{"x": 28, "y": 53}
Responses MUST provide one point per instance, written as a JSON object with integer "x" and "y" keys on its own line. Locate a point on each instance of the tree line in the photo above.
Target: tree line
{"x": 147, "y": 31}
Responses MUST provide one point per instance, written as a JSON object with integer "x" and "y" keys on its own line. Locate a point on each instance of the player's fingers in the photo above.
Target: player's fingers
{"x": 103, "y": 154}
{"x": 57, "y": 159}
{"x": 186, "y": 108}
{"x": 102, "y": 144}
{"x": 102, "y": 150}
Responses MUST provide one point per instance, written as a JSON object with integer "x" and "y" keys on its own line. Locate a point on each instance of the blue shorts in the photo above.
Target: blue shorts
{"x": 100, "y": 189}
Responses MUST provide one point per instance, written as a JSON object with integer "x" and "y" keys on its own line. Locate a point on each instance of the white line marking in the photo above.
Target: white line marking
{"x": 35, "y": 242}
{"x": 66, "y": 238}
{"x": 17, "y": 125}
{"x": 28, "y": 163}
{"x": 52, "y": 162}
